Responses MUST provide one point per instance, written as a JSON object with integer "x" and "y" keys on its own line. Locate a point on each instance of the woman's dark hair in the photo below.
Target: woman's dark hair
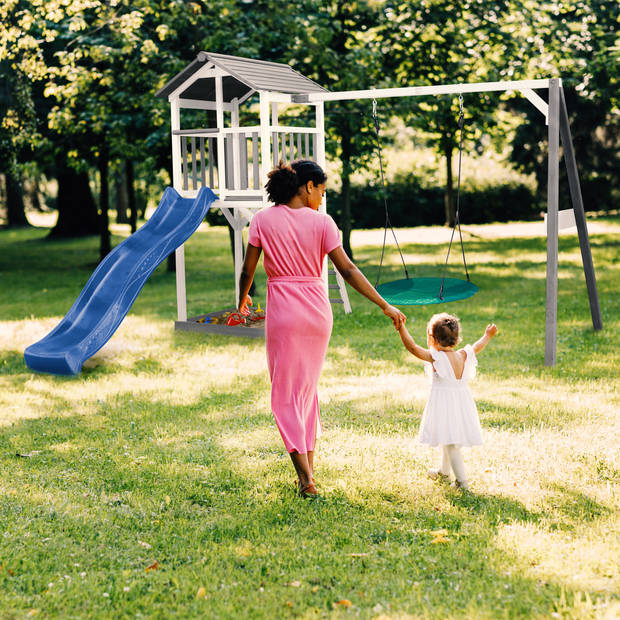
{"x": 286, "y": 179}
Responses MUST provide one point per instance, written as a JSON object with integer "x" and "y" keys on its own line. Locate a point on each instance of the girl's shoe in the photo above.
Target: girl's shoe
{"x": 460, "y": 485}
{"x": 435, "y": 474}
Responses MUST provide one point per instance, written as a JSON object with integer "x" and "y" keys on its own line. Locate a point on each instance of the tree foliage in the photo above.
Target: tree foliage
{"x": 590, "y": 75}
{"x": 78, "y": 76}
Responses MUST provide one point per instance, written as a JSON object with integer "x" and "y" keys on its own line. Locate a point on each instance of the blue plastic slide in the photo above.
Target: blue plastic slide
{"x": 115, "y": 284}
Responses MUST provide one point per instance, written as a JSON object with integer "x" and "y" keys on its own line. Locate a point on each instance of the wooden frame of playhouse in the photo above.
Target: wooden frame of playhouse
{"x": 234, "y": 160}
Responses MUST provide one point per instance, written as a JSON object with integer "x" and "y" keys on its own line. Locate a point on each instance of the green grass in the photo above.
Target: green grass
{"x": 164, "y": 451}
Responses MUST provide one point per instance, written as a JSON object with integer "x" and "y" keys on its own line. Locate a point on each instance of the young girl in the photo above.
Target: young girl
{"x": 450, "y": 417}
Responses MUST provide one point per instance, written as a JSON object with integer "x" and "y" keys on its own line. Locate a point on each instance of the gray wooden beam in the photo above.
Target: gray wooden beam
{"x": 184, "y": 161}
{"x": 580, "y": 215}
{"x": 553, "y": 187}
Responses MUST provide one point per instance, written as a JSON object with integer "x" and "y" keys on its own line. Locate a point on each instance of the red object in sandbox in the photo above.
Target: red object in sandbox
{"x": 235, "y": 319}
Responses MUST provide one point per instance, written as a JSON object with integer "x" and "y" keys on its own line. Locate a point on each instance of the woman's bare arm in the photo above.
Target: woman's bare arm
{"x": 252, "y": 254}
{"x": 347, "y": 269}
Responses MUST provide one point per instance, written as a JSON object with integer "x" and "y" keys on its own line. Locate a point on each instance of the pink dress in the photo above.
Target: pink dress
{"x": 299, "y": 315}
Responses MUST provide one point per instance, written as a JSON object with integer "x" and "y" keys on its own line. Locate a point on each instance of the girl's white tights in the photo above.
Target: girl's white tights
{"x": 451, "y": 457}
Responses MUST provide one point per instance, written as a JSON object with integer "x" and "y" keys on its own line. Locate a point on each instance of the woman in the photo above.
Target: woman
{"x": 295, "y": 238}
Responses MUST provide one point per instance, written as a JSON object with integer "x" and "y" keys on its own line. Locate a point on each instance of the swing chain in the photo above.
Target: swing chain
{"x": 385, "y": 205}
{"x": 457, "y": 222}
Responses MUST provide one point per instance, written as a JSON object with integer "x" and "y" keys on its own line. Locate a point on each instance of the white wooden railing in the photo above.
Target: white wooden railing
{"x": 241, "y": 148}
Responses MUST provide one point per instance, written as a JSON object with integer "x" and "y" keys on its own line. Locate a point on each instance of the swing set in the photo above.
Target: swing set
{"x": 232, "y": 159}
{"x": 410, "y": 291}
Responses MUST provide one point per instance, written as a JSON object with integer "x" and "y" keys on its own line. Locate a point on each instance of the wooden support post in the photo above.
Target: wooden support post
{"x": 240, "y": 223}
{"x": 320, "y": 133}
{"x": 179, "y": 254}
{"x": 221, "y": 150}
{"x": 265, "y": 141}
{"x": 580, "y": 216}
{"x": 235, "y": 160}
{"x": 179, "y": 261}
{"x": 175, "y": 125}
{"x": 553, "y": 184}
{"x": 237, "y": 222}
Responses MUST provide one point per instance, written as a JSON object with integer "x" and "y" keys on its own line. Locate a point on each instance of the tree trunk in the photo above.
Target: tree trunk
{"x": 449, "y": 193}
{"x": 104, "y": 203}
{"x": 32, "y": 194}
{"x": 122, "y": 199}
{"x": 131, "y": 195}
{"x": 15, "y": 210}
{"x": 77, "y": 210}
{"x": 345, "y": 221}
{"x": 2, "y": 194}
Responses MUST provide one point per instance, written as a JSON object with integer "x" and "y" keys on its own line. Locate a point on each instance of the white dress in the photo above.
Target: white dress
{"x": 450, "y": 415}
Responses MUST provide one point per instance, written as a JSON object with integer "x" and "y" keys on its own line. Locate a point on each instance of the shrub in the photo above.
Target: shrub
{"x": 410, "y": 204}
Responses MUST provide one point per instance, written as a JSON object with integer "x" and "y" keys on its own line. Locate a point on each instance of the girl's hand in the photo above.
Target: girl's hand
{"x": 243, "y": 306}
{"x": 398, "y": 318}
{"x": 491, "y": 330}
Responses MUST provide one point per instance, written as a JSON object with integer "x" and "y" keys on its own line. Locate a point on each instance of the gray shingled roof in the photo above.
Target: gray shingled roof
{"x": 246, "y": 74}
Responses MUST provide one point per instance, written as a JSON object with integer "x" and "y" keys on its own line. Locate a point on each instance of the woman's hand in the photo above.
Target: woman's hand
{"x": 398, "y": 318}
{"x": 243, "y": 306}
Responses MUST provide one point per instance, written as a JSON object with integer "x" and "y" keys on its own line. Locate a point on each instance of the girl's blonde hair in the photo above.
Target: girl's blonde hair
{"x": 445, "y": 329}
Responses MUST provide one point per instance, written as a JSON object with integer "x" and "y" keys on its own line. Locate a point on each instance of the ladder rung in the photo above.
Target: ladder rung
{"x": 337, "y": 301}
{"x": 334, "y": 286}
{"x": 331, "y": 272}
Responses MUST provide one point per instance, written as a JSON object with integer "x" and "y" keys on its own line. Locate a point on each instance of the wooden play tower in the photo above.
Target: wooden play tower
{"x": 233, "y": 160}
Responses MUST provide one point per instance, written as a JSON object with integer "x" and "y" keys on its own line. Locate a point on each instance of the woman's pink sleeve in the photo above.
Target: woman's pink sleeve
{"x": 331, "y": 238}
{"x": 254, "y": 233}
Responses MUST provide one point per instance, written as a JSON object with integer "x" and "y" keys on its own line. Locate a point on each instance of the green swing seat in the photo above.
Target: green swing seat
{"x": 424, "y": 291}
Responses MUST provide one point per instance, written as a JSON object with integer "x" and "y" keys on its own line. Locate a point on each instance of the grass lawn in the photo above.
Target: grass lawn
{"x": 155, "y": 484}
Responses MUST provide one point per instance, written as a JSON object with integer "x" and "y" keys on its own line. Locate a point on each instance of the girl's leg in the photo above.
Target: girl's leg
{"x": 458, "y": 465}
{"x": 444, "y": 470}
{"x": 445, "y": 461}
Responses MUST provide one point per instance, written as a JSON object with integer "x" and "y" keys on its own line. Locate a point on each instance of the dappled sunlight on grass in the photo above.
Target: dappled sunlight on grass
{"x": 580, "y": 559}
{"x": 255, "y": 450}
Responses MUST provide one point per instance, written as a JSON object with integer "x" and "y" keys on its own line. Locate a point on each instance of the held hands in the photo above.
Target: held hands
{"x": 491, "y": 330}
{"x": 398, "y": 318}
{"x": 243, "y": 306}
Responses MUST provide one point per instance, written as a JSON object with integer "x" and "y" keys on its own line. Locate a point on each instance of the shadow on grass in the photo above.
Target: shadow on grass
{"x": 526, "y": 416}
{"x": 495, "y": 508}
{"x": 577, "y": 506}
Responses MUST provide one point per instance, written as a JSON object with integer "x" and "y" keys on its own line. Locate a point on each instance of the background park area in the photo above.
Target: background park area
{"x": 155, "y": 484}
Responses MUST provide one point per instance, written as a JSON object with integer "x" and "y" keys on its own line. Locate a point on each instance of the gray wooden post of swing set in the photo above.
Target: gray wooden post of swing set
{"x": 556, "y": 116}
{"x": 234, "y": 161}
